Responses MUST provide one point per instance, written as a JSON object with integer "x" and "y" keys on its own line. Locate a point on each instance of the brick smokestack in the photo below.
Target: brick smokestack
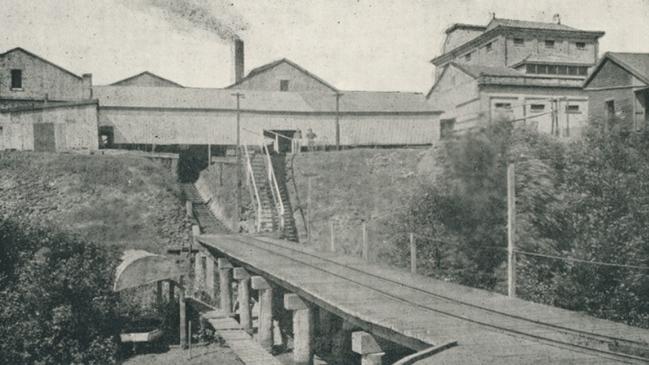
{"x": 238, "y": 59}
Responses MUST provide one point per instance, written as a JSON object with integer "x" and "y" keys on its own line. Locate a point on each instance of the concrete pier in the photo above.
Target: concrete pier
{"x": 243, "y": 290}
{"x": 225, "y": 284}
{"x": 302, "y": 329}
{"x": 364, "y": 344}
{"x": 265, "y": 332}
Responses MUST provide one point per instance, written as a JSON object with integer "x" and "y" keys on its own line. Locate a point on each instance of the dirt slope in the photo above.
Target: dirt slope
{"x": 115, "y": 200}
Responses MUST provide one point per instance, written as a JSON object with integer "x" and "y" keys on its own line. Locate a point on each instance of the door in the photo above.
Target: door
{"x": 44, "y": 137}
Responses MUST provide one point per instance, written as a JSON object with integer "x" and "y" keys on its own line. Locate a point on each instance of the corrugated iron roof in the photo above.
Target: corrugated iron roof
{"x": 198, "y": 98}
{"x": 279, "y": 101}
{"x": 271, "y": 65}
{"x": 478, "y": 70}
{"x": 515, "y": 23}
{"x": 146, "y": 73}
{"x": 552, "y": 59}
{"x": 635, "y": 63}
{"x": 638, "y": 63}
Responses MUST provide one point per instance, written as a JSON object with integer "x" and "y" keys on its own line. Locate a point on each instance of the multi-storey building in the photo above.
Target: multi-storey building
{"x": 519, "y": 70}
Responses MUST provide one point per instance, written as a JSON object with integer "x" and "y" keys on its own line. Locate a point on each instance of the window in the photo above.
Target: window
{"x": 580, "y": 45}
{"x": 552, "y": 69}
{"x": 467, "y": 57}
{"x": 537, "y": 108}
{"x": 530, "y": 69}
{"x": 16, "y": 79}
{"x": 542, "y": 69}
{"x": 549, "y": 43}
{"x": 505, "y": 106}
{"x": 610, "y": 110}
{"x": 572, "y": 109}
{"x": 519, "y": 42}
{"x": 572, "y": 70}
{"x": 283, "y": 85}
{"x": 583, "y": 71}
{"x": 562, "y": 70}
{"x": 488, "y": 47}
{"x": 446, "y": 128}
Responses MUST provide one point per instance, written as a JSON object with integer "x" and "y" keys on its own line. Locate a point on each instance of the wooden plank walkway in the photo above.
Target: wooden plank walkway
{"x": 247, "y": 349}
{"x": 420, "y": 312}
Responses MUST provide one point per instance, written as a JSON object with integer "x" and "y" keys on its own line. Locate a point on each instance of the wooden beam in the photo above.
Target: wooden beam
{"x": 294, "y": 302}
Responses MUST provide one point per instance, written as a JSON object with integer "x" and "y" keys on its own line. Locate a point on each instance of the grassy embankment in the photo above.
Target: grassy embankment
{"x": 128, "y": 202}
{"x": 349, "y": 187}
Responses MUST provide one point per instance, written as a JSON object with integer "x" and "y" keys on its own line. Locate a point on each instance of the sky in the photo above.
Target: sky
{"x": 352, "y": 44}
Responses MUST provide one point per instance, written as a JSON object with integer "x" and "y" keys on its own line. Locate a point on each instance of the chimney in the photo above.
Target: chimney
{"x": 237, "y": 59}
{"x": 86, "y": 86}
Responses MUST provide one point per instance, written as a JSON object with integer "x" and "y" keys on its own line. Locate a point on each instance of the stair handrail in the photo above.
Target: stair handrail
{"x": 274, "y": 187}
{"x": 251, "y": 174}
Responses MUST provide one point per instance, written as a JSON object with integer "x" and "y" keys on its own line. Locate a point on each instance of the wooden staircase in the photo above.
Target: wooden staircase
{"x": 268, "y": 219}
{"x": 289, "y": 231}
{"x": 268, "y": 190}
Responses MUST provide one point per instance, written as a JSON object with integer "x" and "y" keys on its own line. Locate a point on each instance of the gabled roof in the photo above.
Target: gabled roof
{"x": 271, "y": 65}
{"x": 150, "y": 74}
{"x": 497, "y": 26}
{"x": 636, "y": 64}
{"x": 515, "y": 23}
{"x": 39, "y": 58}
{"x": 475, "y": 71}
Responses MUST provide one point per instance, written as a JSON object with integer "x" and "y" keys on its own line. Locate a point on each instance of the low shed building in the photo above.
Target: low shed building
{"x": 171, "y": 117}
{"x": 618, "y": 89}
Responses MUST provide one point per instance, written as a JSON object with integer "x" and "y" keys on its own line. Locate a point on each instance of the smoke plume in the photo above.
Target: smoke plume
{"x": 214, "y": 16}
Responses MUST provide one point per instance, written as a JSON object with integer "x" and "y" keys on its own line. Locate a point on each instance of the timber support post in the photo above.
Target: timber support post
{"x": 199, "y": 271}
{"x": 364, "y": 344}
{"x": 225, "y": 285}
{"x": 366, "y": 248}
{"x": 265, "y": 331}
{"x": 243, "y": 291}
{"x": 211, "y": 280}
{"x": 302, "y": 329}
{"x": 413, "y": 254}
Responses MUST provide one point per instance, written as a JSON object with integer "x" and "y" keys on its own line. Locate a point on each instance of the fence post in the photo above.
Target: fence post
{"x": 332, "y": 245}
{"x": 308, "y": 210}
{"x": 413, "y": 254}
{"x": 511, "y": 231}
{"x": 365, "y": 250}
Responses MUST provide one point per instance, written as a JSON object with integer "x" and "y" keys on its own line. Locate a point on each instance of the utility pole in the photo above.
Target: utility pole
{"x": 238, "y": 156}
{"x": 511, "y": 230}
{"x": 338, "y": 95}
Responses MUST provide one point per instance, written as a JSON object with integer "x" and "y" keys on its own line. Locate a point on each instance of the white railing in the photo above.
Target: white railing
{"x": 254, "y": 191}
{"x": 274, "y": 187}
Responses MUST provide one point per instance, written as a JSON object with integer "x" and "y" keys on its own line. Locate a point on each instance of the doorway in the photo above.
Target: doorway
{"x": 106, "y": 137}
{"x": 44, "y": 137}
{"x": 283, "y": 139}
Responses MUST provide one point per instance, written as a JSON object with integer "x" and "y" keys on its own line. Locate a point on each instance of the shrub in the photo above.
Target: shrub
{"x": 57, "y": 302}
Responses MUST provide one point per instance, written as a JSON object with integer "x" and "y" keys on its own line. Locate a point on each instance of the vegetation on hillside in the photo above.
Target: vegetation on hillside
{"x": 124, "y": 201}
{"x": 587, "y": 200}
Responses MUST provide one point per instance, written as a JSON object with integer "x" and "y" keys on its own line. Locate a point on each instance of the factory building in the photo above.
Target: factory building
{"x": 524, "y": 71}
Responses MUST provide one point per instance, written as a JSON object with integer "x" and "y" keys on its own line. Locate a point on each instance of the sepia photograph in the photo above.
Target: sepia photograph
{"x": 324, "y": 182}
